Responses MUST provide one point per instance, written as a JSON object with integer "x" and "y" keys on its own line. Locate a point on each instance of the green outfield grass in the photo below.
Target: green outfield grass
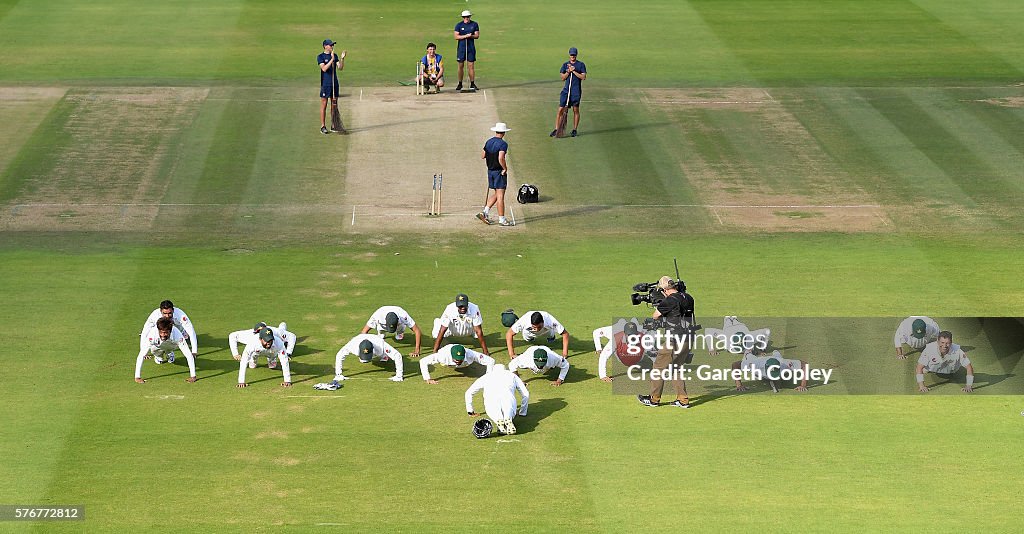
{"x": 800, "y": 158}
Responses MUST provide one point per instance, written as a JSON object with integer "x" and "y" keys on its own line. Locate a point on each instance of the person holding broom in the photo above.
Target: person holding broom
{"x": 330, "y": 64}
{"x": 573, "y": 73}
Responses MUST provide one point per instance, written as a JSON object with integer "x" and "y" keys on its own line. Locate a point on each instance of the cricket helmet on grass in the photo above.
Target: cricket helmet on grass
{"x": 508, "y": 318}
{"x": 482, "y": 428}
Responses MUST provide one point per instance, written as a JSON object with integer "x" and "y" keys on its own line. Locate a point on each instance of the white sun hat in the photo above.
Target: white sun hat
{"x": 500, "y": 127}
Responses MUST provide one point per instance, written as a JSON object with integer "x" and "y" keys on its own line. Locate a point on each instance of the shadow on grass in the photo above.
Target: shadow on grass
{"x": 981, "y": 380}
{"x": 536, "y": 412}
{"x": 627, "y": 128}
{"x": 571, "y": 212}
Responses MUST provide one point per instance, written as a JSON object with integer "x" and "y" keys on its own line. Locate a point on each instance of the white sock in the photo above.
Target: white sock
{"x": 486, "y": 209}
{"x": 501, "y": 219}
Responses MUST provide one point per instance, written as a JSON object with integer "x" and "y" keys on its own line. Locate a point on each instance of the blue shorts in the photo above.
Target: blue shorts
{"x": 326, "y": 91}
{"x": 495, "y": 180}
{"x": 462, "y": 56}
{"x": 574, "y": 99}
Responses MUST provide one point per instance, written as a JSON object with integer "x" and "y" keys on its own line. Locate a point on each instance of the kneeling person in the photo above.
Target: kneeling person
{"x": 159, "y": 341}
{"x": 499, "y": 387}
{"x": 455, "y": 356}
{"x": 942, "y": 356}
{"x": 540, "y": 359}
{"x": 368, "y": 347}
{"x": 272, "y": 348}
{"x": 461, "y": 318}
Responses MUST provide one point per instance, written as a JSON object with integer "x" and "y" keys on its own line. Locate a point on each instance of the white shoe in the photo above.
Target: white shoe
{"x": 170, "y": 358}
{"x": 157, "y": 359}
{"x": 252, "y": 363}
{"x": 399, "y": 336}
{"x": 509, "y": 427}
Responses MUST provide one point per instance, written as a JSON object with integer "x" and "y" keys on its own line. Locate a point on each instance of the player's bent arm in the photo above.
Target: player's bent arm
{"x": 919, "y": 371}
{"x": 290, "y": 339}
{"x": 339, "y": 362}
{"x": 970, "y": 379}
{"x": 242, "y": 363}
{"x": 501, "y": 161}
{"x": 233, "y": 343}
{"x": 483, "y": 344}
{"x": 365, "y": 329}
{"x": 440, "y": 335}
{"x": 138, "y": 363}
{"x": 478, "y": 384}
{"x": 803, "y": 383}
{"x": 514, "y": 365}
{"x": 193, "y": 339}
{"x": 188, "y": 357}
{"x": 508, "y": 343}
{"x": 425, "y": 366}
{"x": 524, "y": 393}
{"x": 486, "y": 361}
{"x": 286, "y": 368}
{"x": 739, "y": 385}
{"x": 399, "y": 367}
{"x": 564, "y": 366}
{"x": 419, "y": 338}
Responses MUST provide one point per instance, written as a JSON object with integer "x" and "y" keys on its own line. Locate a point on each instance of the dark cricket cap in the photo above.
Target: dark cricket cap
{"x": 918, "y": 328}
{"x": 267, "y": 334}
{"x": 365, "y": 350}
{"x": 461, "y": 300}
{"x": 258, "y": 326}
{"x": 458, "y": 353}
{"x": 329, "y": 42}
{"x": 391, "y": 321}
{"x": 573, "y": 51}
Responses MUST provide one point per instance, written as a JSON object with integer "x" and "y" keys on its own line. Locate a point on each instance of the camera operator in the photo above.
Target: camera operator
{"x": 675, "y": 313}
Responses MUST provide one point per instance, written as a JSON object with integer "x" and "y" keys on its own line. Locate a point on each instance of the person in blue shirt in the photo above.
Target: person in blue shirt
{"x": 330, "y": 63}
{"x": 497, "y": 174}
{"x": 466, "y": 33}
{"x": 573, "y": 73}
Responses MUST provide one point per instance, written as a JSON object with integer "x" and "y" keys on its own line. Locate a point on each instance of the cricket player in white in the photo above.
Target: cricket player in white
{"x": 455, "y": 356}
{"x": 775, "y": 362}
{"x": 540, "y": 359}
{"x": 619, "y": 344}
{"x": 915, "y": 331}
{"x": 535, "y": 324}
{"x": 367, "y": 347}
{"x": 605, "y": 332}
{"x": 944, "y": 357}
{"x": 737, "y": 337}
{"x": 160, "y": 340}
{"x": 181, "y": 321}
{"x": 499, "y": 387}
{"x": 393, "y": 319}
{"x": 269, "y": 346}
{"x": 248, "y": 336}
{"x": 461, "y": 318}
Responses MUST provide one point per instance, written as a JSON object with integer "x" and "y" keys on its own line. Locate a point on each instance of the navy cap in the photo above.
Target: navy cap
{"x": 329, "y": 42}
{"x": 267, "y": 335}
{"x": 573, "y": 51}
{"x": 461, "y": 300}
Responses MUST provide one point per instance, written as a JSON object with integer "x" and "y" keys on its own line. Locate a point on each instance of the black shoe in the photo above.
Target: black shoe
{"x": 472, "y": 86}
{"x": 458, "y": 87}
{"x": 645, "y": 400}
{"x": 323, "y": 130}
{"x": 573, "y": 134}
{"x": 553, "y": 132}
{"x": 680, "y": 404}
